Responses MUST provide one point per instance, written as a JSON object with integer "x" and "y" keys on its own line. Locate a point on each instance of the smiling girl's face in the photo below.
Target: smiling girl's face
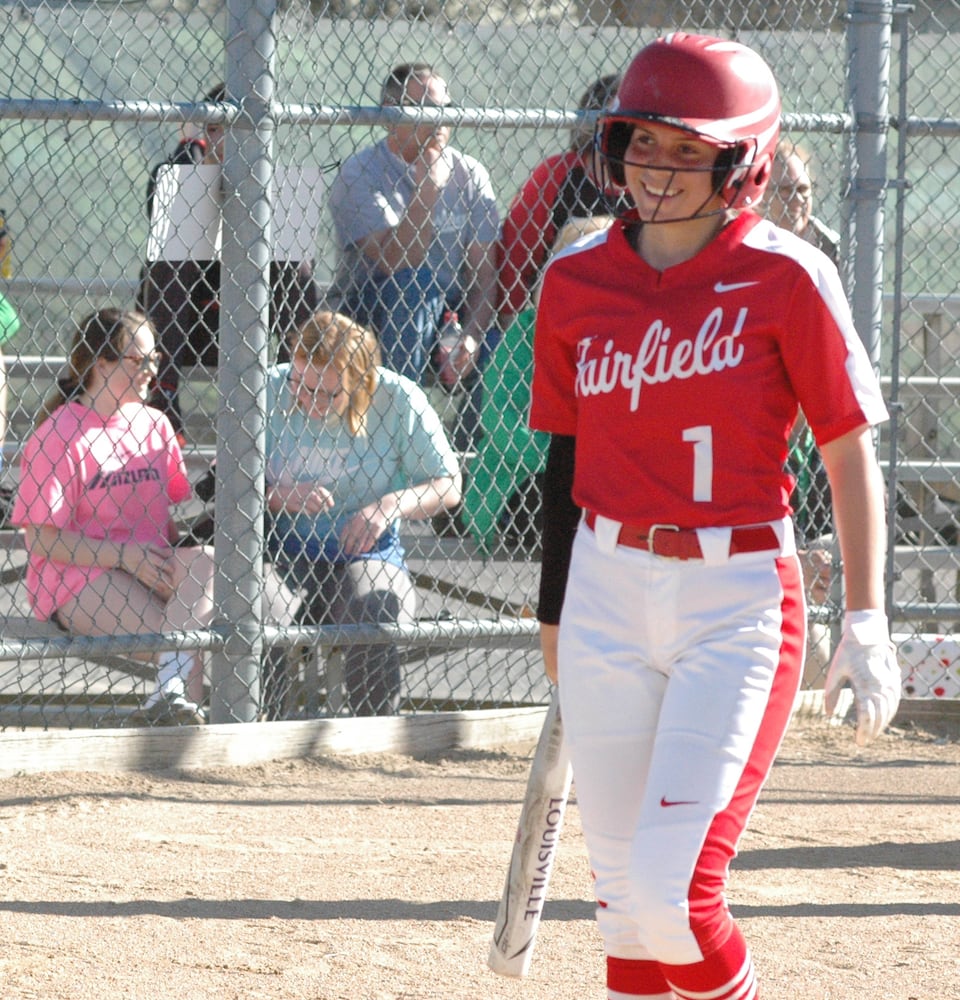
{"x": 669, "y": 174}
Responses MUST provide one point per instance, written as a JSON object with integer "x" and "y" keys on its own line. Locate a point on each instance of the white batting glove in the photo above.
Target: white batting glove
{"x": 865, "y": 657}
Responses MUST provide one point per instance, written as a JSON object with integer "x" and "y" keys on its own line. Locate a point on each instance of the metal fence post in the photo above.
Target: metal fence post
{"x": 868, "y": 67}
{"x": 241, "y": 417}
{"x": 868, "y": 49}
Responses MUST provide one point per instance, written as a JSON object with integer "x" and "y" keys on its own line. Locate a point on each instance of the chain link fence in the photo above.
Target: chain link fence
{"x": 230, "y": 170}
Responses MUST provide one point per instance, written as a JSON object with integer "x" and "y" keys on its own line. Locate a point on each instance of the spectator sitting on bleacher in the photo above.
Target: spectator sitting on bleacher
{"x": 563, "y": 187}
{"x": 416, "y": 223}
{"x": 182, "y": 297}
{"x": 9, "y": 325}
{"x": 502, "y": 497}
{"x": 788, "y": 201}
{"x": 352, "y": 448}
{"x": 98, "y": 478}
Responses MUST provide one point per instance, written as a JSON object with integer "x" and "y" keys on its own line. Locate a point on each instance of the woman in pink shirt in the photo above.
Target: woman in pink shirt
{"x": 99, "y": 476}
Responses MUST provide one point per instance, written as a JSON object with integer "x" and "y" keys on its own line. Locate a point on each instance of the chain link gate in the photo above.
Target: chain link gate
{"x": 240, "y": 246}
{"x": 920, "y": 444}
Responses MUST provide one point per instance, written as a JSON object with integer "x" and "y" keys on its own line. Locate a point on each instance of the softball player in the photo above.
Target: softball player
{"x": 671, "y": 355}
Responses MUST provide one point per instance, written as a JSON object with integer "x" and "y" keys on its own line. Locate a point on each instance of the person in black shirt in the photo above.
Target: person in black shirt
{"x": 182, "y": 297}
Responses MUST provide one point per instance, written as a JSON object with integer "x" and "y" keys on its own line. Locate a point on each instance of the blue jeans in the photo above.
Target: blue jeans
{"x": 404, "y": 309}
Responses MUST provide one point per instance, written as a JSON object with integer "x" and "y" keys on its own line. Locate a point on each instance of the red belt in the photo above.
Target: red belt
{"x": 683, "y": 543}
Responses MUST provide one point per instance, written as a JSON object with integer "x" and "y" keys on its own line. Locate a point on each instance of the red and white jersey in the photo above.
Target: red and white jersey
{"x": 681, "y": 386}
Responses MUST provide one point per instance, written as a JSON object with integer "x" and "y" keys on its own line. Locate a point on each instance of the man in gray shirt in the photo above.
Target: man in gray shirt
{"x": 416, "y": 224}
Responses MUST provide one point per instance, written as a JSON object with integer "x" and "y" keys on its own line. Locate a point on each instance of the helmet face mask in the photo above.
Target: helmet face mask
{"x": 718, "y": 92}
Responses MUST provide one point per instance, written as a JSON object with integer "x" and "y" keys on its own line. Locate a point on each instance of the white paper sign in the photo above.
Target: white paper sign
{"x": 187, "y": 220}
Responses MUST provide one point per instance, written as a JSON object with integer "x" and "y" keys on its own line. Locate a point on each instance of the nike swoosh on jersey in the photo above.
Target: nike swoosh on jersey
{"x": 666, "y": 803}
{"x": 722, "y": 286}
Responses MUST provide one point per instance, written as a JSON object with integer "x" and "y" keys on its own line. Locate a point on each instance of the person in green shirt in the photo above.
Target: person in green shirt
{"x": 9, "y": 325}
{"x": 502, "y": 497}
{"x": 502, "y": 494}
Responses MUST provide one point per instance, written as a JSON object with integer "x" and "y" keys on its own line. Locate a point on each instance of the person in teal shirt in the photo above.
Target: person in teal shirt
{"x": 352, "y": 450}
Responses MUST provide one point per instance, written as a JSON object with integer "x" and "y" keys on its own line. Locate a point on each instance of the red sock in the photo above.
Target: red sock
{"x": 725, "y": 974}
{"x": 636, "y": 978}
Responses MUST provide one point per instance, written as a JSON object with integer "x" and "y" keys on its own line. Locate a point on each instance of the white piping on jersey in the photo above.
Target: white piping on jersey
{"x": 581, "y": 243}
{"x": 768, "y": 238}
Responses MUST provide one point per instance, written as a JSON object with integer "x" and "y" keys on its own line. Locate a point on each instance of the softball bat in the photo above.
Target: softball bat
{"x": 534, "y": 851}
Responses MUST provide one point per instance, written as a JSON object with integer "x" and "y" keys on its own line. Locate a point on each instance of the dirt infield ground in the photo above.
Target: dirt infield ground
{"x": 376, "y": 878}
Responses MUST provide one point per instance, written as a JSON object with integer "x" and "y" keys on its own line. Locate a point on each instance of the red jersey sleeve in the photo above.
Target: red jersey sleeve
{"x": 829, "y": 368}
{"x": 553, "y": 398}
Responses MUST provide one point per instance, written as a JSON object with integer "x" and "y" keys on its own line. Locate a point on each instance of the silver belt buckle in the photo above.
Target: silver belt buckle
{"x": 654, "y": 528}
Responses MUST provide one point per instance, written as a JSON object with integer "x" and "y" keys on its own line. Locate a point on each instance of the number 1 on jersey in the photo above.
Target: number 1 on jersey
{"x": 702, "y": 438}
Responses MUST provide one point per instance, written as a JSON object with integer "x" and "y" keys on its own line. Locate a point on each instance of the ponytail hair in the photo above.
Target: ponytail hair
{"x": 104, "y": 334}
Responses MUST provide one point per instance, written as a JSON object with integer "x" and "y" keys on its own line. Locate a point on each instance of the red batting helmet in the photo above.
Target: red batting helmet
{"x": 718, "y": 90}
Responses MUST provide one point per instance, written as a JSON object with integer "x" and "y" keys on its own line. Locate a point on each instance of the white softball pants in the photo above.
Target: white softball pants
{"x": 677, "y": 679}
